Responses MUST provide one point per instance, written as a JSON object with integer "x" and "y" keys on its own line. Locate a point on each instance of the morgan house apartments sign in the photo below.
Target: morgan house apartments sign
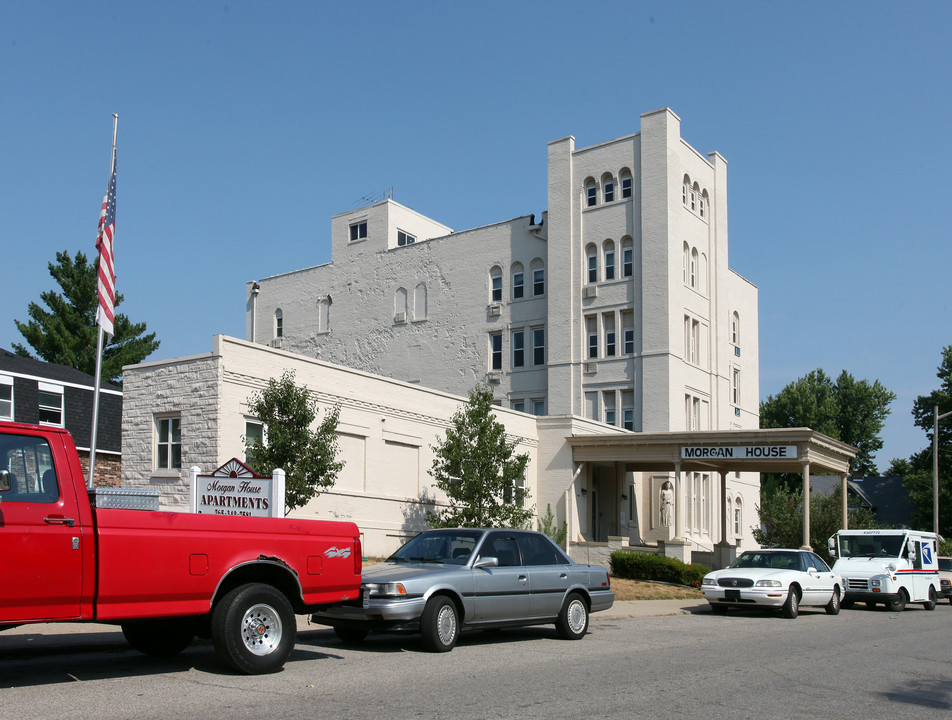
{"x": 235, "y": 489}
{"x": 739, "y": 452}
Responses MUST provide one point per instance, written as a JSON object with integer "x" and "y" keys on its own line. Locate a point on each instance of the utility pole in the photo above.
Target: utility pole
{"x": 935, "y": 467}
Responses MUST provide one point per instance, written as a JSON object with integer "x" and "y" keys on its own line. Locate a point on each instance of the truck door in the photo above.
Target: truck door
{"x": 40, "y": 558}
{"x": 925, "y": 567}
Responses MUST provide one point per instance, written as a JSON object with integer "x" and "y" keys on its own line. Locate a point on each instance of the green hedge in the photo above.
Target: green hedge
{"x": 647, "y": 566}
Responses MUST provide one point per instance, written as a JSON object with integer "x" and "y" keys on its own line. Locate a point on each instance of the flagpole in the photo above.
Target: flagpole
{"x": 99, "y": 342}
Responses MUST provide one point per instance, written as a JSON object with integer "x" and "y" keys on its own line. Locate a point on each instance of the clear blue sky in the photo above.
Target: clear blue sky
{"x": 244, "y": 126}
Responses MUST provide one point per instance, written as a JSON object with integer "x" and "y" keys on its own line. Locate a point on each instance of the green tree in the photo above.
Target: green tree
{"x": 781, "y": 520}
{"x": 852, "y": 411}
{"x": 917, "y": 471}
{"x": 65, "y": 332}
{"x": 477, "y": 468}
{"x": 547, "y": 524}
{"x": 306, "y": 456}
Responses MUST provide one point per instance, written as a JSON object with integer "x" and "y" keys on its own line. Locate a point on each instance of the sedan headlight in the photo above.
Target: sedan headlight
{"x": 392, "y": 589}
{"x": 709, "y": 580}
{"x": 768, "y": 583}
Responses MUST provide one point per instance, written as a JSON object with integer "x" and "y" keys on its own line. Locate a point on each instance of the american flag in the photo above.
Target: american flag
{"x": 104, "y": 244}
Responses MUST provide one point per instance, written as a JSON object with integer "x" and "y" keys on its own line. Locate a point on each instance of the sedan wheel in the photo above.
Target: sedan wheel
{"x": 439, "y": 624}
{"x": 833, "y": 607}
{"x": 791, "y": 608}
{"x": 573, "y": 618}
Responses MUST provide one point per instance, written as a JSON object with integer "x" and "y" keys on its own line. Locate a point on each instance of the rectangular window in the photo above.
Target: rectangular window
{"x": 591, "y": 197}
{"x": 629, "y": 342}
{"x": 629, "y": 419}
{"x": 593, "y": 345}
{"x": 592, "y": 268}
{"x": 628, "y": 409}
{"x": 51, "y": 404}
{"x": 518, "y": 285}
{"x": 495, "y": 348}
{"x": 609, "y": 264}
{"x": 519, "y": 405}
{"x": 702, "y": 207}
{"x": 608, "y": 400}
{"x": 610, "y": 344}
{"x": 358, "y": 231}
{"x": 497, "y": 289}
{"x": 279, "y": 326}
{"x": 538, "y": 282}
{"x": 6, "y": 398}
{"x": 404, "y": 238}
{"x": 254, "y": 431}
{"x": 735, "y": 387}
{"x": 538, "y": 407}
{"x": 626, "y": 187}
{"x": 609, "y": 192}
{"x": 693, "y": 200}
{"x": 168, "y": 451}
{"x": 538, "y": 346}
{"x": 518, "y": 349}
{"x": 627, "y": 260}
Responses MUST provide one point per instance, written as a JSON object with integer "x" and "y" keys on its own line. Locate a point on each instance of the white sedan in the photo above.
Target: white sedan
{"x": 772, "y": 579}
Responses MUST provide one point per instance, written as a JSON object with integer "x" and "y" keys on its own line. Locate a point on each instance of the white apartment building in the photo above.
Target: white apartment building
{"x": 617, "y": 305}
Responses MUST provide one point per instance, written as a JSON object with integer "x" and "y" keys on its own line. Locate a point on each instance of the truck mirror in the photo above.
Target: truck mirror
{"x": 831, "y": 546}
{"x": 4, "y": 480}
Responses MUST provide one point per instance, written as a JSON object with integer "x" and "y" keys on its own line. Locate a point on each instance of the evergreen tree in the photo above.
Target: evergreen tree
{"x": 477, "y": 468}
{"x": 65, "y": 332}
{"x": 306, "y": 456}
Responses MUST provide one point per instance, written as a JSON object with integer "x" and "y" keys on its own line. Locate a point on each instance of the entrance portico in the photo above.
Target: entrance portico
{"x": 680, "y": 454}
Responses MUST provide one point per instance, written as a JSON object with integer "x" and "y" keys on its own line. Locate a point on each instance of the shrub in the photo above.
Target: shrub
{"x": 648, "y": 566}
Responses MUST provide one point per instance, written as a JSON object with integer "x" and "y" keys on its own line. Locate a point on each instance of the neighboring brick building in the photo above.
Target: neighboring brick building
{"x": 617, "y": 305}
{"x": 33, "y": 391}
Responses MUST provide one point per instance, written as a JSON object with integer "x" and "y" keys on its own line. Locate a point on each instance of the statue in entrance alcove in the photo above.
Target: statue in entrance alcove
{"x": 667, "y": 503}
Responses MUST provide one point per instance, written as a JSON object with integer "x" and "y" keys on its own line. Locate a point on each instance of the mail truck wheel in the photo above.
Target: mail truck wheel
{"x": 160, "y": 638}
{"x": 253, "y": 628}
{"x": 899, "y": 604}
{"x": 930, "y": 605}
{"x": 573, "y": 618}
{"x": 439, "y": 624}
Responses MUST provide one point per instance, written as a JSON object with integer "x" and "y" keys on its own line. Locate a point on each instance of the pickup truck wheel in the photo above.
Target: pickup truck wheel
{"x": 930, "y": 605}
{"x": 253, "y": 628}
{"x": 899, "y": 604}
{"x": 159, "y": 638}
{"x": 573, "y": 618}
{"x": 439, "y": 624}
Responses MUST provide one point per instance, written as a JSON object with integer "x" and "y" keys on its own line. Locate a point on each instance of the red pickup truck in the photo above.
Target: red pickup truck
{"x": 164, "y": 577}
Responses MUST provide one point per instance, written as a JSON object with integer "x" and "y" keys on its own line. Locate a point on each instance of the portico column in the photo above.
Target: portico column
{"x": 679, "y": 503}
{"x": 846, "y": 515}
{"x": 724, "y": 519}
{"x": 806, "y": 507}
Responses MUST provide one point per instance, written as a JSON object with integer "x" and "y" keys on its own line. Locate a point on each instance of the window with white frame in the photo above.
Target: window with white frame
{"x": 518, "y": 349}
{"x": 608, "y": 323}
{"x": 627, "y": 259}
{"x": 738, "y": 517}
{"x": 519, "y": 405}
{"x": 591, "y": 331}
{"x": 495, "y": 351}
{"x": 405, "y": 238}
{"x": 6, "y": 397}
{"x": 592, "y": 263}
{"x": 518, "y": 282}
{"x": 538, "y": 346}
{"x": 735, "y": 329}
{"x": 538, "y": 406}
{"x": 692, "y": 340}
{"x": 628, "y": 409}
{"x": 358, "y": 231}
{"x": 735, "y": 387}
{"x": 538, "y": 278}
{"x": 629, "y": 341}
{"x": 50, "y": 399}
{"x": 495, "y": 278}
{"x": 254, "y": 433}
{"x": 609, "y": 260}
{"x": 591, "y": 194}
{"x": 627, "y": 184}
{"x": 608, "y": 402}
{"x": 609, "y": 191}
{"x": 168, "y": 446}
{"x": 278, "y": 323}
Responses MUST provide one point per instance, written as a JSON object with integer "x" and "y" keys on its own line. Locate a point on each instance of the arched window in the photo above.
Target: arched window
{"x": 705, "y": 203}
{"x": 324, "y": 314}
{"x": 608, "y": 188}
{"x": 627, "y": 183}
{"x": 685, "y": 190}
{"x": 702, "y": 273}
{"x": 685, "y": 262}
{"x": 608, "y": 250}
{"x": 495, "y": 281}
{"x": 400, "y": 305}
{"x": 693, "y": 268}
{"x": 728, "y": 514}
{"x": 695, "y": 191}
{"x": 735, "y": 329}
{"x": 419, "y": 302}
{"x": 538, "y": 277}
{"x": 738, "y": 517}
{"x": 278, "y": 323}
{"x": 591, "y": 262}
{"x": 627, "y": 257}
{"x": 518, "y": 281}
{"x": 591, "y": 192}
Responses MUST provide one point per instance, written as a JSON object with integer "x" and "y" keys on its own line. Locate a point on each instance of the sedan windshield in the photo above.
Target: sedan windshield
{"x": 773, "y": 560}
{"x": 453, "y": 547}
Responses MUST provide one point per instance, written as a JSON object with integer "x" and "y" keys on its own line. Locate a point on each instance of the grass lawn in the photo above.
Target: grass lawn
{"x": 643, "y": 590}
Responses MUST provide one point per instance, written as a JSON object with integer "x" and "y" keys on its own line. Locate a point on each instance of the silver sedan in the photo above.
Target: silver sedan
{"x": 444, "y": 581}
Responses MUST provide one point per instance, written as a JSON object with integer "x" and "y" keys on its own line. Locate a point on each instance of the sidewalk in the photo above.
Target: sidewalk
{"x": 61, "y": 634}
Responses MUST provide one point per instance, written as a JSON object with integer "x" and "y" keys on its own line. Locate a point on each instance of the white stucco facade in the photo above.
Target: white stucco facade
{"x": 616, "y": 305}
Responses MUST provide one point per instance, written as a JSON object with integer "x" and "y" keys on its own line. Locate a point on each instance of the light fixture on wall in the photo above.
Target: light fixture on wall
{"x": 584, "y": 491}
{"x": 624, "y": 497}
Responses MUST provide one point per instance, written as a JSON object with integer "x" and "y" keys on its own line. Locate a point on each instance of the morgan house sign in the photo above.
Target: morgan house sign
{"x": 236, "y": 489}
{"x": 739, "y": 452}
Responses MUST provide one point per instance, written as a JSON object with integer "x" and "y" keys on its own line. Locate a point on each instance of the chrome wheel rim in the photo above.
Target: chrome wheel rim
{"x": 261, "y": 629}
{"x": 446, "y": 624}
